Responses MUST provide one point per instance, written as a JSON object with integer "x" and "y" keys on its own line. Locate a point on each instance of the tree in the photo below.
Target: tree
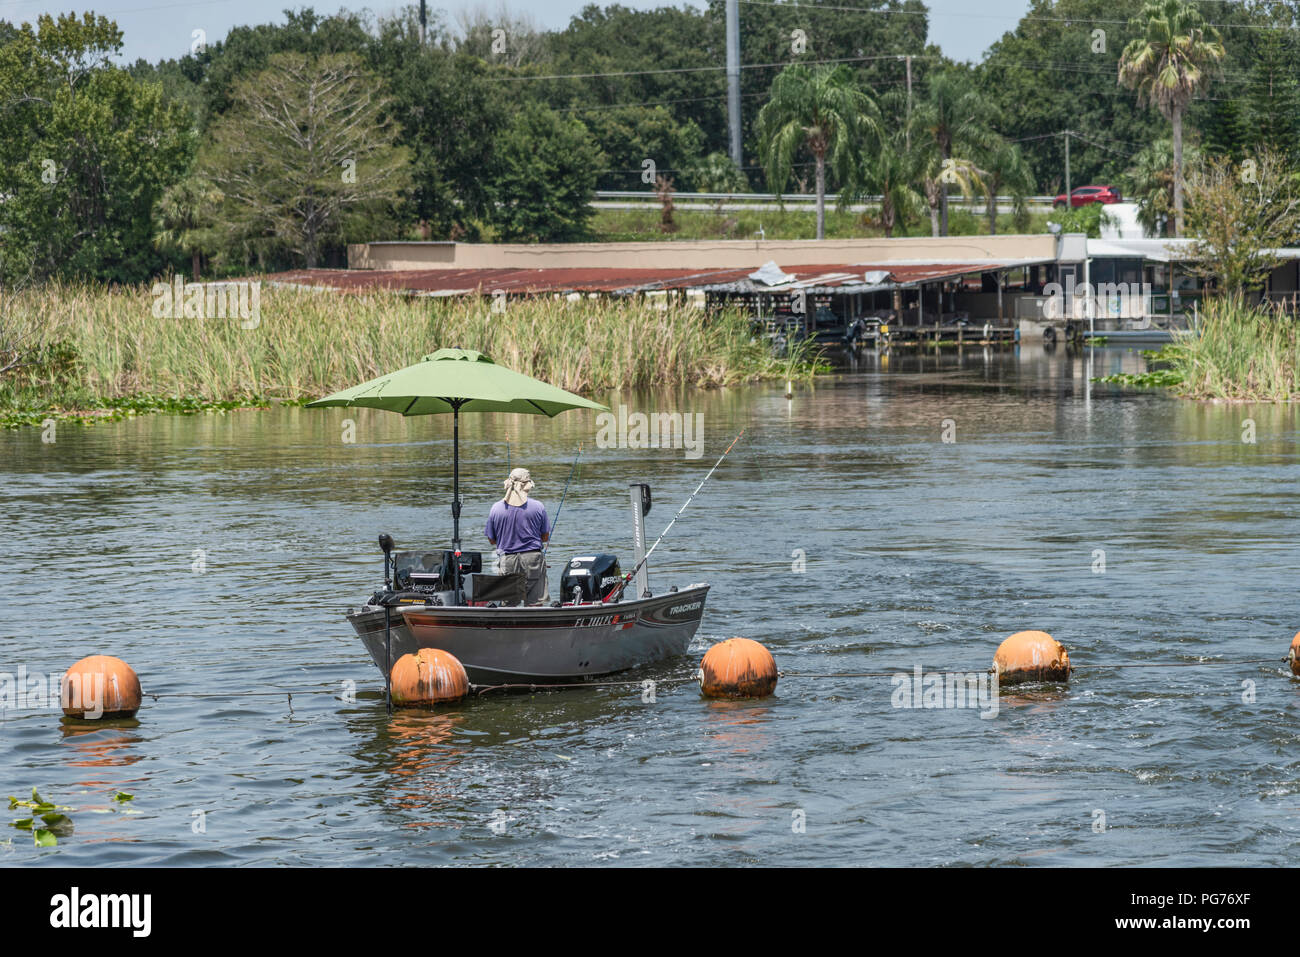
{"x": 547, "y": 174}
{"x": 1006, "y": 169}
{"x": 666, "y": 55}
{"x": 248, "y": 50}
{"x": 630, "y": 135}
{"x": 1240, "y": 216}
{"x": 887, "y": 167}
{"x": 185, "y": 217}
{"x": 937, "y": 174}
{"x": 957, "y": 118}
{"x": 1047, "y": 76}
{"x": 1272, "y": 96}
{"x": 452, "y": 110}
{"x": 828, "y": 31}
{"x": 716, "y": 173}
{"x": 1168, "y": 66}
{"x": 305, "y": 145}
{"x": 85, "y": 151}
{"x": 1150, "y": 183}
{"x": 819, "y": 110}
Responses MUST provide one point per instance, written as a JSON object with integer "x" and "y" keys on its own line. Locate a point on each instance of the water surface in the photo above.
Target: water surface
{"x": 216, "y": 554}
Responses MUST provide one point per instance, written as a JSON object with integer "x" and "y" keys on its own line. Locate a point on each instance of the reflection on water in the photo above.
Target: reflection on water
{"x": 916, "y": 551}
{"x": 423, "y": 769}
{"x": 101, "y": 744}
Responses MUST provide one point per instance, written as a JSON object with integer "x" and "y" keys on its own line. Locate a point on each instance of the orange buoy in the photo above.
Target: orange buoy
{"x": 737, "y": 668}
{"x": 1293, "y": 656}
{"x": 429, "y": 677}
{"x": 100, "y": 686}
{"x": 1031, "y": 656}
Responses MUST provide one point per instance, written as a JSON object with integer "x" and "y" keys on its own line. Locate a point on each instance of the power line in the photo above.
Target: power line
{"x": 707, "y": 69}
{"x": 818, "y": 7}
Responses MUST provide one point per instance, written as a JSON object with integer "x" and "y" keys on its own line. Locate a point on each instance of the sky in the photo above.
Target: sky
{"x": 158, "y": 31}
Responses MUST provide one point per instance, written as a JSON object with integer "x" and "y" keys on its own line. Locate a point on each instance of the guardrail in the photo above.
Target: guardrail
{"x": 831, "y": 198}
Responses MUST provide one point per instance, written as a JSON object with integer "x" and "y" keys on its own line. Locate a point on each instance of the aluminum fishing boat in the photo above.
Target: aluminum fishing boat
{"x": 602, "y": 622}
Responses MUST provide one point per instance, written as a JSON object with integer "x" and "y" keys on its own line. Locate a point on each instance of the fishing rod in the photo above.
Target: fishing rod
{"x": 560, "y": 507}
{"x": 618, "y": 589}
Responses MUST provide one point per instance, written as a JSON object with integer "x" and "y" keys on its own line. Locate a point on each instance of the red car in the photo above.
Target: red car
{"x": 1089, "y": 194}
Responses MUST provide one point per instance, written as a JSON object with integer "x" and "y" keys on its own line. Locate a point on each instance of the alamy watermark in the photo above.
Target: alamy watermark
{"x": 239, "y": 299}
{"x": 653, "y": 430}
{"x": 947, "y": 689}
{"x": 1115, "y": 300}
{"x": 24, "y": 691}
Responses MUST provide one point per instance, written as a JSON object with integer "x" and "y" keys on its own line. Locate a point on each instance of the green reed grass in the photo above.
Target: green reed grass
{"x": 309, "y": 343}
{"x": 1238, "y": 352}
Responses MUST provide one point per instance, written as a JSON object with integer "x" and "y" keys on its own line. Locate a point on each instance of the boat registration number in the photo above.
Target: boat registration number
{"x": 600, "y": 620}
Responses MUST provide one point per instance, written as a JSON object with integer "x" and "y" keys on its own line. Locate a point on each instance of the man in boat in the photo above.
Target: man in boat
{"x": 517, "y": 525}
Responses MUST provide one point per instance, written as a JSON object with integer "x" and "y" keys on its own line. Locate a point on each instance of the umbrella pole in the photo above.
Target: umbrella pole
{"x": 455, "y": 491}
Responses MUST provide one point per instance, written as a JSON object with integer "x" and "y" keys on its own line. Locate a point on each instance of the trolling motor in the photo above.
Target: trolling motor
{"x": 640, "y": 493}
{"x": 386, "y": 545}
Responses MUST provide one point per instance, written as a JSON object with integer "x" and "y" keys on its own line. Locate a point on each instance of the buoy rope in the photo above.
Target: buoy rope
{"x": 233, "y": 694}
{"x": 477, "y": 689}
{"x": 1073, "y": 667}
{"x": 1183, "y": 664}
{"x": 484, "y": 689}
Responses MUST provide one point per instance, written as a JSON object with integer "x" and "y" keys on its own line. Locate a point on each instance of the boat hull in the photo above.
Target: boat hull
{"x": 541, "y": 645}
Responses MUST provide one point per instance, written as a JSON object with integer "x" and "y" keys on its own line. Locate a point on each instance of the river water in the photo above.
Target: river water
{"x": 216, "y": 554}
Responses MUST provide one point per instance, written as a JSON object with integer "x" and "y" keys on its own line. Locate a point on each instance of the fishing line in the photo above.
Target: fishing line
{"x": 618, "y": 589}
{"x": 560, "y": 507}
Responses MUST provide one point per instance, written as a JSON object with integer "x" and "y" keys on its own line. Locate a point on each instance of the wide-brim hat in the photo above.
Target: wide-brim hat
{"x": 517, "y": 487}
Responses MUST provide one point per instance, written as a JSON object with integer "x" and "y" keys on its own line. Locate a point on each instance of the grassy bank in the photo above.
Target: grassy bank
{"x": 102, "y": 351}
{"x": 1237, "y": 352}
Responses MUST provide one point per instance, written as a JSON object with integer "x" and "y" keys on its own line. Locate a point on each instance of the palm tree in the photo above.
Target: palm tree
{"x": 184, "y": 216}
{"x": 1168, "y": 66}
{"x": 888, "y": 168}
{"x": 956, "y": 119}
{"x": 937, "y": 174}
{"x": 1007, "y": 169}
{"x": 819, "y": 109}
{"x": 1150, "y": 182}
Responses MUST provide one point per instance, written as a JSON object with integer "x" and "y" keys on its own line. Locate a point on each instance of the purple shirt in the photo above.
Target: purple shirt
{"x": 517, "y": 528}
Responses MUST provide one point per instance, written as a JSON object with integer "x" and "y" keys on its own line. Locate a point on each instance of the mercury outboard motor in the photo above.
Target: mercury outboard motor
{"x": 587, "y": 576}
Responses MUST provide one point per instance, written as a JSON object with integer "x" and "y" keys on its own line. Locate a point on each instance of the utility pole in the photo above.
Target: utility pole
{"x": 1069, "y": 203}
{"x": 733, "y": 80}
{"x": 424, "y": 24}
{"x": 907, "y": 126}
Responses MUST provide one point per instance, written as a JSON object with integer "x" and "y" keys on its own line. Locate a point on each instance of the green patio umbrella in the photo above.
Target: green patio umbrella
{"x": 456, "y": 380}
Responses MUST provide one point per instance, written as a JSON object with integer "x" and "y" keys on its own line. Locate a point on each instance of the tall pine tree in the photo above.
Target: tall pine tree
{"x": 1273, "y": 98}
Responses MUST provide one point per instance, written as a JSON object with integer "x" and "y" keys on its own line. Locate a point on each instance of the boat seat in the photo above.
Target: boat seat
{"x": 509, "y": 589}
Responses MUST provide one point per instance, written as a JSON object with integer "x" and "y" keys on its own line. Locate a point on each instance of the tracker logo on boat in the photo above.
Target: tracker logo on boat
{"x": 239, "y": 299}
{"x": 654, "y": 430}
{"x": 73, "y": 910}
{"x": 690, "y": 606}
{"x": 947, "y": 689}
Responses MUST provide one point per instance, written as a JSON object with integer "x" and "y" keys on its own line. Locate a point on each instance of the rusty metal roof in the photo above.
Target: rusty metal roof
{"x": 488, "y": 281}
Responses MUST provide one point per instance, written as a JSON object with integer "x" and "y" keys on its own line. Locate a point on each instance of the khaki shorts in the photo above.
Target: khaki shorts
{"x": 533, "y": 567}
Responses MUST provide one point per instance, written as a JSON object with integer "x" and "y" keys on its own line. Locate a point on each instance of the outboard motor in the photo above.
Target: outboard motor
{"x": 589, "y": 576}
